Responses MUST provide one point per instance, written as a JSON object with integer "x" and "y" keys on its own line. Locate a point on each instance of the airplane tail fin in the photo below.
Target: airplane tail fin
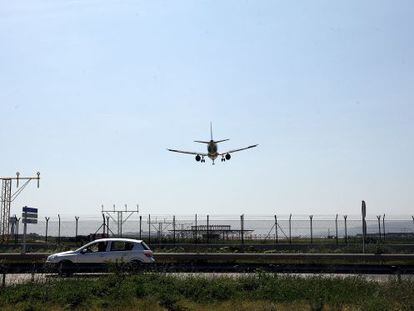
{"x": 211, "y": 136}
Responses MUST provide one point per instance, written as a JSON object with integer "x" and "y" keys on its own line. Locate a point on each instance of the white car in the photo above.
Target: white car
{"x": 103, "y": 251}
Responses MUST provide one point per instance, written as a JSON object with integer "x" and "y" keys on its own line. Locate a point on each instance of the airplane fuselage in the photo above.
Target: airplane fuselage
{"x": 212, "y": 150}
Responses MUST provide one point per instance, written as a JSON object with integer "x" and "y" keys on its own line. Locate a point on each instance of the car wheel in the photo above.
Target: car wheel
{"x": 65, "y": 268}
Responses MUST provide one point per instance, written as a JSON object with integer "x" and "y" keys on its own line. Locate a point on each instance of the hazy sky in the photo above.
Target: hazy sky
{"x": 93, "y": 92}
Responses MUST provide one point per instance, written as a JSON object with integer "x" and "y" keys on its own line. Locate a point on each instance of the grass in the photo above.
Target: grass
{"x": 167, "y": 292}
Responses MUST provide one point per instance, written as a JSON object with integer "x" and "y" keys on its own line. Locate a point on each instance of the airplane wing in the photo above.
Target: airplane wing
{"x": 235, "y": 150}
{"x": 189, "y": 152}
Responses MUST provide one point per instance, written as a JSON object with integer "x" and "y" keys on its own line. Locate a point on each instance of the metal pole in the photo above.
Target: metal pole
{"x": 276, "y": 237}
{"x": 311, "y": 227}
{"x": 103, "y": 226}
{"x": 336, "y": 229}
{"x": 24, "y": 233}
{"x": 107, "y": 225}
{"x": 196, "y": 228}
{"x": 174, "y": 229}
{"x": 346, "y": 230}
{"x": 140, "y": 227}
{"x": 76, "y": 228}
{"x": 17, "y": 229}
{"x": 59, "y": 230}
{"x": 364, "y": 213}
{"x": 47, "y": 227}
{"x": 149, "y": 228}
{"x": 379, "y": 227}
{"x": 208, "y": 229}
{"x": 383, "y": 226}
{"x": 242, "y": 228}
{"x": 290, "y": 229}
{"x": 159, "y": 232}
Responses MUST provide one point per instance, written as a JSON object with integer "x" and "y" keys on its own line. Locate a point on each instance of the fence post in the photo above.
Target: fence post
{"x": 276, "y": 237}
{"x": 76, "y": 228}
{"x": 149, "y": 228}
{"x": 140, "y": 228}
{"x": 17, "y": 230}
{"x": 47, "y": 225}
{"x": 196, "y": 229}
{"x": 174, "y": 229}
{"x": 59, "y": 229}
{"x": 159, "y": 232}
{"x": 364, "y": 224}
{"x": 336, "y": 229}
{"x": 379, "y": 227}
{"x": 383, "y": 226}
{"x": 290, "y": 229}
{"x": 242, "y": 228}
{"x": 208, "y": 229}
{"x": 311, "y": 227}
{"x": 346, "y": 230}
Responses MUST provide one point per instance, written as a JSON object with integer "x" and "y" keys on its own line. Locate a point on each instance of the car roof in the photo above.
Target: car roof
{"x": 118, "y": 239}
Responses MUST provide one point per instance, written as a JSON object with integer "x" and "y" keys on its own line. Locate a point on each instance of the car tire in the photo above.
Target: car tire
{"x": 65, "y": 268}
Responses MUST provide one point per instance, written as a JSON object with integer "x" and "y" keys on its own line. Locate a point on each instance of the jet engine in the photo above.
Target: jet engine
{"x": 228, "y": 156}
{"x": 197, "y": 158}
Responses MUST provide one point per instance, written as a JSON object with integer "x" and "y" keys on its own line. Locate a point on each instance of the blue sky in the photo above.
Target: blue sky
{"x": 93, "y": 92}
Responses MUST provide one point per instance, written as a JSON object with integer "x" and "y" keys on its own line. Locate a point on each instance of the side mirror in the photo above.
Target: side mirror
{"x": 83, "y": 251}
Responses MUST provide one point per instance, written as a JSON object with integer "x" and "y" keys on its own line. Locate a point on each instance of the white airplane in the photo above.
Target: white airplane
{"x": 212, "y": 150}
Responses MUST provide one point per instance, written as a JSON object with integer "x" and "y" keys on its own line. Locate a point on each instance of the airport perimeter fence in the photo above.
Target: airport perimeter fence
{"x": 226, "y": 229}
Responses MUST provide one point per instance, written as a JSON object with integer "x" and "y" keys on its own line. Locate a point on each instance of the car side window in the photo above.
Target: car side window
{"x": 121, "y": 246}
{"x": 96, "y": 247}
{"x": 138, "y": 247}
{"x": 117, "y": 246}
{"x": 129, "y": 246}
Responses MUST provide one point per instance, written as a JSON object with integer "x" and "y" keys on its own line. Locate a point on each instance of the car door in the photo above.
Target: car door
{"x": 119, "y": 251}
{"x": 94, "y": 253}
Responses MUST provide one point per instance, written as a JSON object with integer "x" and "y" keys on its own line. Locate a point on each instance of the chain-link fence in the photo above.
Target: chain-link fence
{"x": 228, "y": 228}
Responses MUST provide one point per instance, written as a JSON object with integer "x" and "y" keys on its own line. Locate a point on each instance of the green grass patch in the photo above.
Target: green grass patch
{"x": 169, "y": 292}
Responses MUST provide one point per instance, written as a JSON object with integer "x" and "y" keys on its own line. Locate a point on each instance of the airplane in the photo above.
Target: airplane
{"x": 212, "y": 150}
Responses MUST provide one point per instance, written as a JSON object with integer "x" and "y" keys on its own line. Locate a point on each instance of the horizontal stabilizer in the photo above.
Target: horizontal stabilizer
{"x": 220, "y": 141}
{"x": 201, "y": 141}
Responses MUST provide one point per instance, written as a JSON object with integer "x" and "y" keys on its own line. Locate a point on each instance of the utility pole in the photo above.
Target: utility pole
{"x": 7, "y": 197}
